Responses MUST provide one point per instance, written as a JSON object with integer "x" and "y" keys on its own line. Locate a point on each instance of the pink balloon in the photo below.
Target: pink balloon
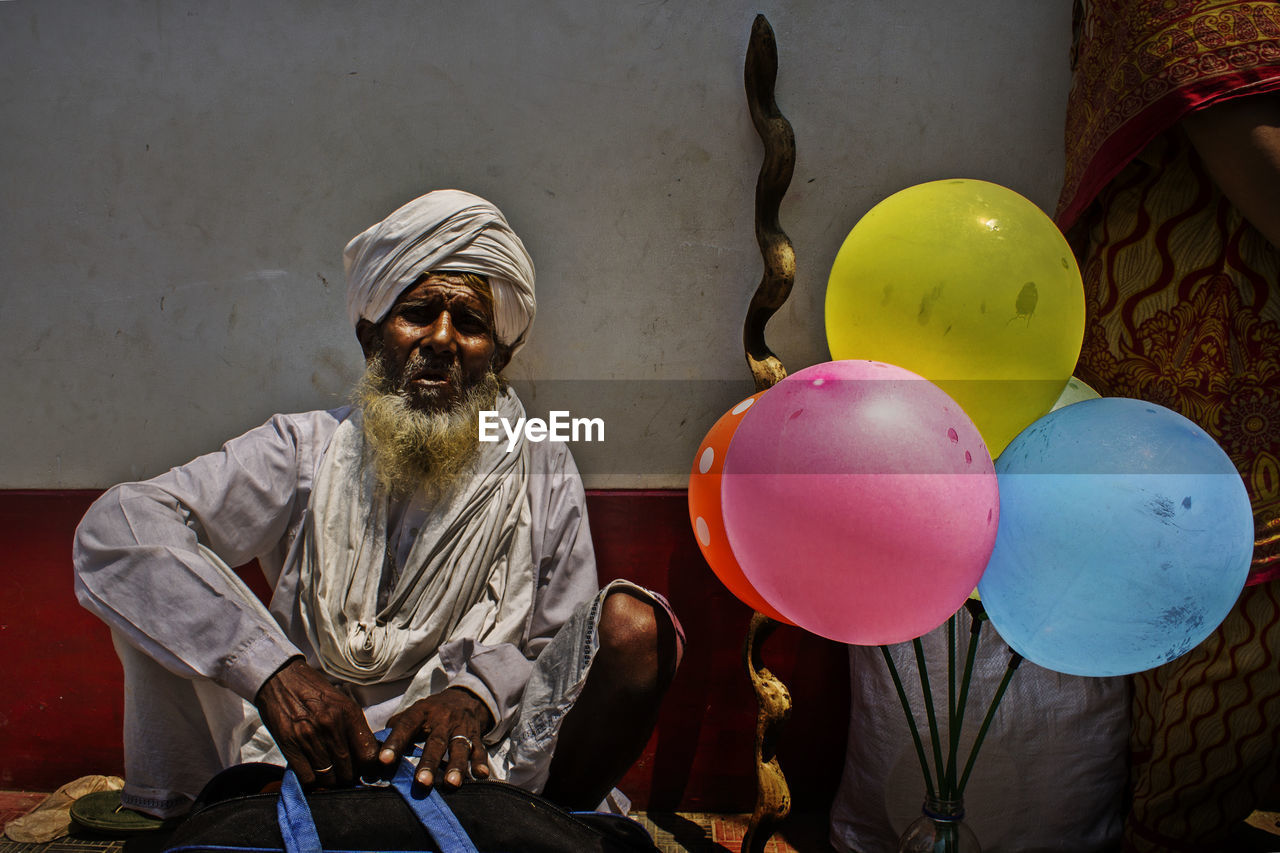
{"x": 860, "y": 501}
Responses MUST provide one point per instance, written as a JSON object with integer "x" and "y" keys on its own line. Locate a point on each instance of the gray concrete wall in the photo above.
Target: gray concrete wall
{"x": 179, "y": 179}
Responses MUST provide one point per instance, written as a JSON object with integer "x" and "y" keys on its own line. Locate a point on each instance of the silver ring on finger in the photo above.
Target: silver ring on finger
{"x": 464, "y": 739}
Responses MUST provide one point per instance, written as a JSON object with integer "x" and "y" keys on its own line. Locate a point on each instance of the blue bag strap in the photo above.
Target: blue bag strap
{"x": 433, "y": 812}
{"x": 297, "y": 827}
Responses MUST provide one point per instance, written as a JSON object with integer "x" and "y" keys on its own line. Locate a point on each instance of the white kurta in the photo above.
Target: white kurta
{"x": 143, "y": 559}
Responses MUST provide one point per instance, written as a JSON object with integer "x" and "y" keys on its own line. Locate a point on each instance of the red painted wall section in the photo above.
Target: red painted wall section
{"x": 60, "y": 711}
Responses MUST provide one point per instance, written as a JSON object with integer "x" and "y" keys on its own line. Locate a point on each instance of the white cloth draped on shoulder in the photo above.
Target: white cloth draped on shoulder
{"x": 470, "y": 572}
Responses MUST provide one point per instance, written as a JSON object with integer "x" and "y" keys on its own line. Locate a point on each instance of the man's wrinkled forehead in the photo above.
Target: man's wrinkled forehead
{"x": 474, "y": 286}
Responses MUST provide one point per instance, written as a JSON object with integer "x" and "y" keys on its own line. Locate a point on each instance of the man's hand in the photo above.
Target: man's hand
{"x": 321, "y": 731}
{"x": 453, "y": 722}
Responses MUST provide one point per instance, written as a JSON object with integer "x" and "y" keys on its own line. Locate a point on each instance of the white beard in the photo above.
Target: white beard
{"x": 412, "y": 449}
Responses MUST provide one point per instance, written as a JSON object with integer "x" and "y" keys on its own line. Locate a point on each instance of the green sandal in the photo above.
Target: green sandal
{"x": 103, "y": 813}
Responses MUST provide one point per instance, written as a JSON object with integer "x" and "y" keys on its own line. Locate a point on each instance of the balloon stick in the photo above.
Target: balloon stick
{"x": 911, "y": 720}
{"x": 951, "y": 702}
{"x": 928, "y": 707}
{"x": 977, "y": 616}
{"x": 1014, "y": 660}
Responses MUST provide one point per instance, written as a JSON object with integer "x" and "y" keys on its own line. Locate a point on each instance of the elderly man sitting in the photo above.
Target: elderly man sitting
{"x": 422, "y": 580}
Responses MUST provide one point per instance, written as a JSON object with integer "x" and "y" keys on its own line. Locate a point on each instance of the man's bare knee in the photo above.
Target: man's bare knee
{"x": 628, "y": 625}
{"x": 637, "y": 642}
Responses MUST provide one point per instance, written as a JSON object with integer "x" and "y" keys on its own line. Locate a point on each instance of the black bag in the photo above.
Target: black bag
{"x": 480, "y": 817}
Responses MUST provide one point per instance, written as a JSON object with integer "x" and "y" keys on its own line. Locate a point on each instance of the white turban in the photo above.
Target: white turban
{"x": 445, "y": 230}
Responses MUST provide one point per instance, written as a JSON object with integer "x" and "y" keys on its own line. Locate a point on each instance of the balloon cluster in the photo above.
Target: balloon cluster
{"x": 858, "y": 499}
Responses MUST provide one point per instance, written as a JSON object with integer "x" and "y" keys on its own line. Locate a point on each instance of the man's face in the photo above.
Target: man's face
{"x": 436, "y": 341}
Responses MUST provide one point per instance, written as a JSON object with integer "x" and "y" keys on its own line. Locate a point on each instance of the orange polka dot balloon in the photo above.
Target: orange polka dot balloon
{"x": 705, "y": 514}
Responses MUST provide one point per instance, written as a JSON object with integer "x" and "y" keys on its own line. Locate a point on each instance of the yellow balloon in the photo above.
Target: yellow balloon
{"x": 971, "y": 286}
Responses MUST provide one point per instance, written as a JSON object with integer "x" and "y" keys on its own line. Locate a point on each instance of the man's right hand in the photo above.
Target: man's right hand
{"x": 321, "y": 731}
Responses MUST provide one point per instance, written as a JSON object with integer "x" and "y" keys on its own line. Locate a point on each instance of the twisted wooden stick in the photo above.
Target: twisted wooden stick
{"x": 760, "y": 74}
{"x": 773, "y": 799}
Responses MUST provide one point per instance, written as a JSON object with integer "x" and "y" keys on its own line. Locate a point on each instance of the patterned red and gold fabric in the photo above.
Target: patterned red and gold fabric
{"x": 1182, "y": 294}
{"x": 1183, "y": 308}
{"x": 1205, "y": 739}
{"x": 1139, "y": 67}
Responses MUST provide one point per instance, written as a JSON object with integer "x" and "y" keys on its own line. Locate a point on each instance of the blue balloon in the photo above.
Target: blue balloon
{"x": 1125, "y": 538}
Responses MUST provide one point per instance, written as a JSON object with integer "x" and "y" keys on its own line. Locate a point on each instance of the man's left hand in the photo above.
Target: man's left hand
{"x": 451, "y": 722}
